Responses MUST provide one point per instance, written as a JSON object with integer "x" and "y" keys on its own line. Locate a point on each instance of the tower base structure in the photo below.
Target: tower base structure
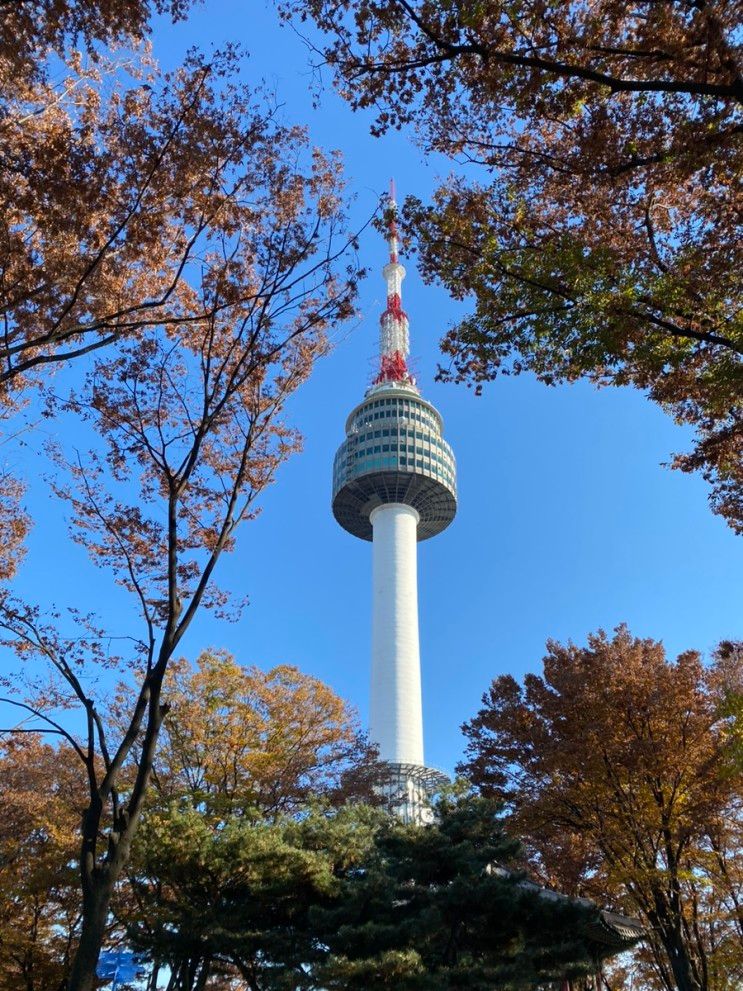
{"x": 409, "y": 789}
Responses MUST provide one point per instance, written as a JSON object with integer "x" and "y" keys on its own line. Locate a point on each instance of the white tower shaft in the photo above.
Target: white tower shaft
{"x": 396, "y": 717}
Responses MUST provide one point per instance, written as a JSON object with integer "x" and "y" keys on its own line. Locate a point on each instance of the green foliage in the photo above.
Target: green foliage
{"x": 347, "y": 899}
{"x": 235, "y": 896}
{"x": 245, "y": 828}
{"x": 434, "y": 909}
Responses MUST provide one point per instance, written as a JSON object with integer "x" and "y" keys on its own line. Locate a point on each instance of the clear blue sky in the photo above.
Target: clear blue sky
{"x": 567, "y": 522}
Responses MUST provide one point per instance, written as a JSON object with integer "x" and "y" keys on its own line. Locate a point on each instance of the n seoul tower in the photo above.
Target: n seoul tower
{"x": 394, "y": 483}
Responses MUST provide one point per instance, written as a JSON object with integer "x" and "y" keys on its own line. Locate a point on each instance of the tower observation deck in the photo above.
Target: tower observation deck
{"x": 394, "y": 483}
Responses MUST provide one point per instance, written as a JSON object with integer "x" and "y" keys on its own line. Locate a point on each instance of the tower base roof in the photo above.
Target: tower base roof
{"x": 409, "y": 790}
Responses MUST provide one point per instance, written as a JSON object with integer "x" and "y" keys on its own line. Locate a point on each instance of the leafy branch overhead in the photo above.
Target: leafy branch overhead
{"x": 602, "y": 237}
{"x": 164, "y": 179}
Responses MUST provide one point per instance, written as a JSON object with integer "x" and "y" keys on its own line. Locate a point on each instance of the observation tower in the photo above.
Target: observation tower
{"x": 394, "y": 483}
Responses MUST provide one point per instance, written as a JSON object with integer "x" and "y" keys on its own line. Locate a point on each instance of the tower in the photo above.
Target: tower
{"x": 394, "y": 483}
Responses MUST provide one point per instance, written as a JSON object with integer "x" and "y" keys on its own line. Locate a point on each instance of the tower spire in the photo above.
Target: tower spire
{"x": 394, "y": 344}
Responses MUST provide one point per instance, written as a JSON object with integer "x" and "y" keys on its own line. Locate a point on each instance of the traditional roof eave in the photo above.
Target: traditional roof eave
{"x": 611, "y": 930}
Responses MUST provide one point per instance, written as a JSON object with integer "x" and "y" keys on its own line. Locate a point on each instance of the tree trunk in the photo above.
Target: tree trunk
{"x": 681, "y": 965}
{"x": 203, "y": 977}
{"x": 152, "y": 982}
{"x": 98, "y": 881}
{"x": 95, "y": 916}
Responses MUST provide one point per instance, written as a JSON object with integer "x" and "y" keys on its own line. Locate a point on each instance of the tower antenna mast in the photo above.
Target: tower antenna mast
{"x": 394, "y": 343}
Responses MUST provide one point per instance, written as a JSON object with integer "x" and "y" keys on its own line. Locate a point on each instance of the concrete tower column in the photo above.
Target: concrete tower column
{"x": 396, "y": 717}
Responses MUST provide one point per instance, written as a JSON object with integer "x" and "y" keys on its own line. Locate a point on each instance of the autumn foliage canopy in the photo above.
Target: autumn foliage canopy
{"x": 596, "y": 224}
{"x": 618, "y": 768}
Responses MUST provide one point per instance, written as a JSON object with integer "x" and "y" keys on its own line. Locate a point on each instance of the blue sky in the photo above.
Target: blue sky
{"x": 567, "y": 522}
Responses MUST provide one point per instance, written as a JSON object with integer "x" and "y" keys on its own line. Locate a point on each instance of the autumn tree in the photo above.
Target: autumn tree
{"x": 14, "y": 524}
{"x": 42, "y": 792}
{"x": 118, "y": 182}
{"x": 110, "y": 172}
{"x": 729, "y": 654}
{"x": 167, "y": 233}
{"x": 596, "y": 226}
{"x": 252, "y": 866}
{"x": 240, "y": 836}
{"x": 185, "y": 423}
{"x": 257, "y": 743}
{"x": 240, "y": 751}
{"x": 99, "y": 192}
{"x": 615, "y": 767}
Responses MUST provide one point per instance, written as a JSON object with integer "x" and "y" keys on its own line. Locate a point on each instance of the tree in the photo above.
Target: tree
{"x": 167, "y": 234}
{"x": 105, "y": 178}
{"x": 240, "y": 836}
{"x": 616, "y": 768}
{"x": 118, "y": 184}
{"x": 235, "y": 844}
{"x": 433, "y": 908}
{"x": 602, "y": 240}
{"x": 14, "y": 524}
{"x": 257, "y": 743}
{"x": 111, "y": 172}
{"x": 252, "y": 865}
{"x": 347, "y": 898}
{"x": 41, "y": 795}
{"x": 729, "y": 654}
{"x": 187, "y": 433}
{"x": 33, "y": 28}
{"x": 233, "y": 898}
{"x": 212, "y": 824}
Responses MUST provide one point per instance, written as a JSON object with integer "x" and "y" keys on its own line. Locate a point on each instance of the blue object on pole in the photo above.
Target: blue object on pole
{"x": 119, "y": 965}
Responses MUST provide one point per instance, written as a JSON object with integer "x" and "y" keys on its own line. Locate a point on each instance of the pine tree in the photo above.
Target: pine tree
{"x": 234, "y": 898}
{"x": 435, "y": 907}
{"x": 350, "y": 899}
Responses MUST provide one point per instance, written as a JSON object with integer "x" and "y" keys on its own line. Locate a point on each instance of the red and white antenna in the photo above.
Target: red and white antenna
{"x": 394, "y": 344}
